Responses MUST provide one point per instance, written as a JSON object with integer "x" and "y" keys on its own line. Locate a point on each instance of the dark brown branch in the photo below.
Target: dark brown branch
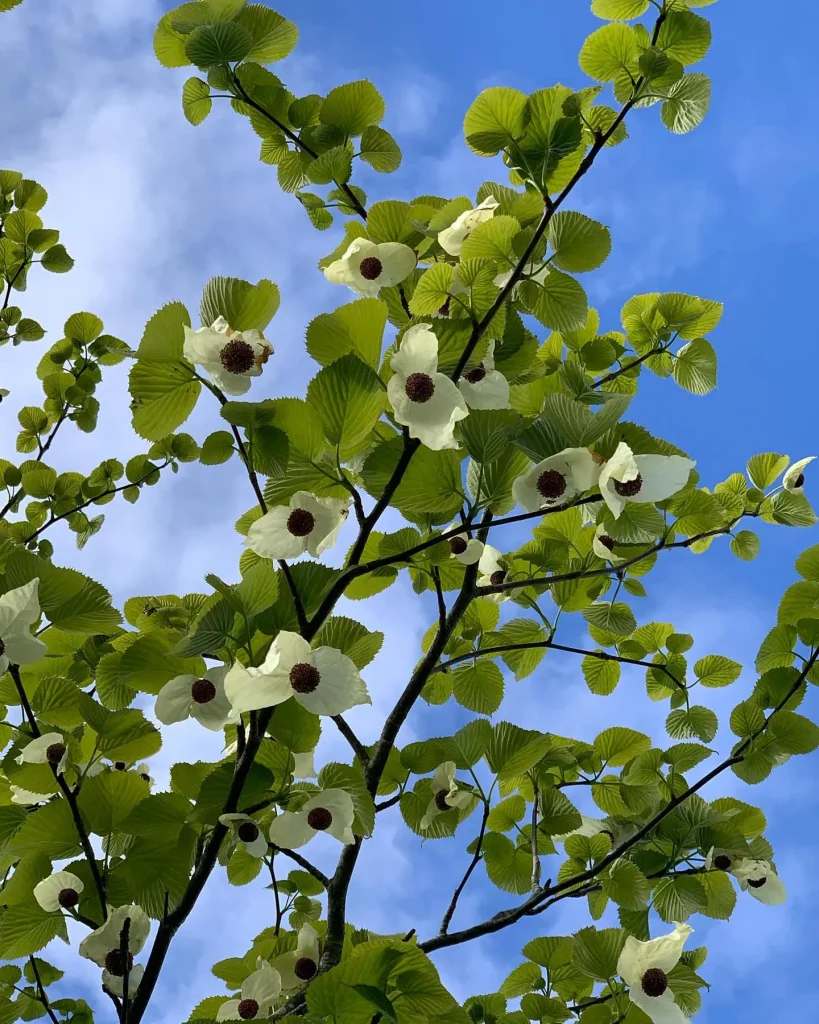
{"x": 385, "y": 804}
{"x": 301, "y": 615}
{"x": 41, "y": 993}
{"x": 624, "y": 369}
{"x": 275, "y": 886}
{"x": 124, "y": 953}
{"x": 439, "y": 594}
{"x": 476, "y": 857}
{"x": 303, "y": 863}
{"x": 358, "y": 747}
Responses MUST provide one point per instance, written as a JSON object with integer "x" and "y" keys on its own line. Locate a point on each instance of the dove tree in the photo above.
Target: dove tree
{"x": 463, "y": 388}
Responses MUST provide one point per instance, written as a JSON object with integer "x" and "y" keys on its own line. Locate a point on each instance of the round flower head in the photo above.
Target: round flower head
{"x": 721, "y": 860}
{"x": 759, "y": 879}
{"x": 641, "y": 478}
{"x": 537, "y": 272}
{"x": 103, "y": 946}
{"x": 260, "y": 991}
{"x": 245, "y": 831}
{"x": 330, "y": 811}
{"x": 367, "y": 266}
{"x": 645, "y": 966}
{"x": 50, "y": 748}
{"x": 19, "y": 610}
{"x": 303, "y": 766}
{"x": 307, "y": 524}
{"x": 202, "y": 698}
{"x": 324, "y": 681}
{"x": 492, "y": 572}
{"x": 463, "y": 547}
{"x": 484, "y": 387}
{"x": 230, "y": 357}
{"x": 300, "y": 964}
{"x": 603, "y": 545}
{"x": 60, "y": 891}
{"x": 556, "y": 480}
{"x": 451, "y": 239}
{"x": 425, "y": 401}
{"x": 794, "y": 478}
{"x": 446, "y": 794}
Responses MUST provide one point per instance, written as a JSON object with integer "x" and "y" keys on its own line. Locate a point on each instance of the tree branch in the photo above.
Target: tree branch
{"x": 358, "y": 747}
{"x": 476, "y": 857}
{"x": 41, "y": 994}
{"x": 303, "y": 863}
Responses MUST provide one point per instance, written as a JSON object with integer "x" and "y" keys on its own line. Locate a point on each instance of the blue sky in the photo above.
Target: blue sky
{"x": 151, "y": 208}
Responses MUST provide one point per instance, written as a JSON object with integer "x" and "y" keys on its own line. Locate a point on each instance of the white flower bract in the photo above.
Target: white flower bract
{"x": 491, "y": 572}
{"x": 199, "y": 697}
{"x": 600, "y": 545}
{"x": 301, "y": 963}
{"x": 230, "y": 357}
{"x": 451, "y": 239}
{"x": 428, "y": 403}
{"x": 324, "y": 681}
{"x": 759, "y": 879}
{"x": 115, "y": 984}
{"x": 50, "y": 748}
{"x": 330, "y": 811}
{"x": 484, "y": 387}
{"x": 303, "y": 765}
{"x": 645, "y": 966}
{"x": 446, "y": 794}
{"x": 466, "y": 549}
{"x": 60, "y": 891}
{"x": 308, "y": 524}
{"x": 245, "y": 831}
{"x": 794, "y": 478}
{"x": 260, "y": 991}
{"x": 100, "y": 943}
{"x": 641, "y": 478}
{"x": 19, "y": 610}
{"x": 366, "y": 267}
{"x": 537, "y": 272}
{"x": 556, "y": 480}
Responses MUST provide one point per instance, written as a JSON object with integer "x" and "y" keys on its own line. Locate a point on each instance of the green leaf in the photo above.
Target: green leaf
{"x": 794, "y": 733}
{"x": 27, "y": 928}
{"x": 601, "y": 674}
{"x": 687, "y": 103}
{"x": 107, "y": 799}
{"x": 497, "y": 117}
{"x": 608, "y": 52}
{"x": 169, "y": 45}
{"x": 747, "y": 718}
{"x": 375, "y": 997}
{"x": 478, "y": 687}
{"x": 695, "y": 367}
{"x": 676, "y": 899}
{"x": 164, "y": 394}
{"x": 558, "y": 815}
{"x": 521, "y": 631}
{"x": 223, "y": 43}
{"x": 353, "y": 107}
{"x": 506, "y": 814}
{"x": 216, "y": 448}
{"x": 274, "y": 37}
{"x": 522, "y": 979}
{"x": 492, "y": 240}
{"x": 720, "y": 894}
{"x": 616, "y": 618}
{"x": 620, "y": 10}
{"x": 745, "y": 545}
{"x": 351, "y": 638}
{"x": 507, "y": 865}
{"x": 764, "y": 469}
{"x": 697, "y": 721}
{"x": 245, "y": 306}
{"x": 559, "y": 303}
{"x": 626, "y": 885}
{"x": 196, "y": 101}
{"x": 596, "y": 952}
{"x": 350, "y": 399}
{"x": 685, "y": 37}
{"x": 618, "y": 745}
{"x": 83, "y": 327}
{"x": 342, "y": 776}
{"x": 432, "y": 290}
{"x": 488, "y": 433}
{"x": 357, "y": 328}
{"x": 56, "y": 259}
{"x": 716, "y": 670}
{"x": 579, "y": 243}
{"x": 380, "y": 150}
{"x": 50, "y": 830}
{"x": 513, "y": 750}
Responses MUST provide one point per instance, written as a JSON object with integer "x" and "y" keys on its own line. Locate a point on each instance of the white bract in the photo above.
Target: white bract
{"x": 230, "y": 357}
{"x": 589, "y": 827}
{"x": 103, "y": 946}
{"x": 300, "y": 964}
{"x": 60, "y": 891}
{"x": 308, "y": 524}
{"x": 641, "y": 478}
{"x": 759, "y": 879}
{"x": 324, "y": 681}
{"x": 556, "y": 480}
{"x": 645, "y": 966}
{"x": 202, "y": 698}
{"x": 484, "y": 387}
{"x": 19, "y": 610}
{"x": 451, "y": 239}
{"x": 245, "y": 831}
{"x": 367, "y": 267}
{"x": 330, "y": 811}
{"x": 50, "y": 748}
{"x": 446, "y": 794}
{"x": 603, "y": 544}
{"x": 303, "y": 766}
{"x": 491, "y": 572}
{"x": 537, "y": 272}
{"x": 142, "y": 770}
{"x": 428, "y": 403}
{"x": 260, "y": 991}
{"x": 463, "y": 547}
{"x": 25, "y": 798}
{"x": 794, "y": 478}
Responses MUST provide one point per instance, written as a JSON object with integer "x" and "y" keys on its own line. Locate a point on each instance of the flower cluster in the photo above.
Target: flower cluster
{"x": 754, "y": 876}
{"x": 230, "y": 357}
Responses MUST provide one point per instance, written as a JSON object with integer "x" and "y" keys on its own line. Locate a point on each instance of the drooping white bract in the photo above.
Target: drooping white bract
{"x": 463, "y": 547}
{"x": 483, "y": 386}
{"x": 244, "y": 830}
{"x": 557, "y": 479}
{"x": 641, "y": 478}
{"x": 759, "y": 879}
{"x": 451, "y": 239}
{"x": 603, "y": 545}
{"x": 491, "y": 572}
{"x": 142, "y": 770}
{"x": 588, "y": 827}
{"x": 300, "y": 964}
{"x": 428, "y": 403}
{"x": 366, "y": 267}
{"x": 308, "y": 524}
{"x": 324, "y": 681}
{"x": 303, "y": 766}
{"x": 260, "y": 991}
{"x": 19, "y": 610}
{"x": 230, "y": 357}
{"x": 202, "y": 698}
{"x": 330, "y": 811}
{"x": 794, "y": 478}
{"x": 645, "y": 966}
{"x": 50, "y": 748}
{"x": 103, "y": 946}
{"x": 537, "y": 272}
{"x": 25, "y": 798}
{"x": 446, "y": 794}
{"x": 60, "y": 891}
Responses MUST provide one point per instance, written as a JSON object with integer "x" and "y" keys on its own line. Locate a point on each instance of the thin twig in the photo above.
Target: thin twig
{"x": 476, "y": 857}
{"x": 303, "y": 863}
{"x": 41, "y": 993}
{"x": 124, "y": 953}
{"x": 275, "y": 887}
{"x": 358, "y": 747}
